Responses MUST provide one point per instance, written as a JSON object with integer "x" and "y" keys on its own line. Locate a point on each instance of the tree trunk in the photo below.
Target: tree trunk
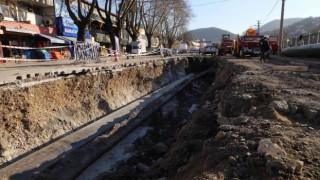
{"x": 110, "y": 31}
{"x": 149, "y": 37}
{"x": 134, "y": 36}
{"x": 81, "y": 35}
{"x": 118, "y": 34}
{"x": 170, "y": 43}
{"x": 132, "y": 33}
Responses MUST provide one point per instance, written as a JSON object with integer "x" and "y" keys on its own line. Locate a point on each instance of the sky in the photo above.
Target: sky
{"x": 237, "y": 16}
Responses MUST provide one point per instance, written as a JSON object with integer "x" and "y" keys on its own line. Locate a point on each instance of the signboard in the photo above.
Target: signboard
{"x": 65, "y": 24}
{"x": 252, "y": 38}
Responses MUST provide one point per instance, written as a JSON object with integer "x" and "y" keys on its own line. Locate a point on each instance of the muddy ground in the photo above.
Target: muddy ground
{"x": 32, "y": 116}
{"x": 252, "y": 123}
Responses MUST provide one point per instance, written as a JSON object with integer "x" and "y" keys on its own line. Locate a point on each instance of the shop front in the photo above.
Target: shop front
{"x": 24, "y": 41}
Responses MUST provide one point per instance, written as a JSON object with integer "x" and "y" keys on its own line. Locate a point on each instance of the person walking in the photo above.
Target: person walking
{"x": 300, "y": 40}
{"x": 264, "y": 48}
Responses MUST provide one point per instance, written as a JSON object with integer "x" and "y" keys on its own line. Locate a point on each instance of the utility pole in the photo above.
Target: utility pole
{"x": 258, "y": 27}
{"x": 281, "y": 28}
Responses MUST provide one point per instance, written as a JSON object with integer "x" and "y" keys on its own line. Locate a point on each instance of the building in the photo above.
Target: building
{"x": 26, "y": 24}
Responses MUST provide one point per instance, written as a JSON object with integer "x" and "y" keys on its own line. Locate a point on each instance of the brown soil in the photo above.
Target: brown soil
{"x": 35, "y": 115}
{"x": 247, "y": 104}
{"x": 241, "y": 101}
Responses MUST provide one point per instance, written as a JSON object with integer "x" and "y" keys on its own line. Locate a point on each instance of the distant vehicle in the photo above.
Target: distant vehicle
{"x": 183, "y": 48}
{"x": 247, "y": 45}
{"x": 209, "y": 50}
{"x": 226, "y": 45}
{"x": 194, "y": 50}
{"x": 174, "y": 51}
{"x": 166, "y": 52}
{"x": 139, "y": 47}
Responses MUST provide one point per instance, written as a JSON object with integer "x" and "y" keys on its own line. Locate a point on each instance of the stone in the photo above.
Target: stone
{"x": 142, "y": 167}
{"x": 253, "y": 110}
{"x": 293, "y": 108}
{"x": 226, "y": 128}
{"x": 298, "y": 166}
{"x": 160, "y": 148}
{"x": 280, "y": 106}
{"x": 284, "y": 164}
{"x": 310, "y": 113}
{"x": 267, "y": 147}
{"x": 220, "y": 135}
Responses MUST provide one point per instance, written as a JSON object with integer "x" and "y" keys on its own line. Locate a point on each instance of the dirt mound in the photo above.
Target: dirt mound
{"x": 253, "y": 124}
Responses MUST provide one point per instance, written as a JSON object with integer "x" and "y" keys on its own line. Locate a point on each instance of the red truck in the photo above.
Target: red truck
{"x": 273, "y": 41}
{"x": 247, "y": 45}
{"x": 226, "y": 45}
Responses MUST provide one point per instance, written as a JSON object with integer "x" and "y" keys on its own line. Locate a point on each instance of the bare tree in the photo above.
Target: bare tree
{"x": 154, "y": 13}
{"x": 185, "y": 37}
{"x": 176, "y": 22}
{"x": 134, "y": 19}
{"x": 121, "y": 9}
{"x": 81, "y": 20}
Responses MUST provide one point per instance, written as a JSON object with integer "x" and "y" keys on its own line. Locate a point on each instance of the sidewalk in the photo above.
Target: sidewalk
{"x": 11, "y": 70}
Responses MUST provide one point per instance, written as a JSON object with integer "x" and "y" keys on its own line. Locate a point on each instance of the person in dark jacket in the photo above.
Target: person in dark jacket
{"x": 264, "y": 48}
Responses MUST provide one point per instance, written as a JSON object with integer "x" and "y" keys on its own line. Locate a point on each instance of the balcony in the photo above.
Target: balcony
{"x": 42, "y": 3}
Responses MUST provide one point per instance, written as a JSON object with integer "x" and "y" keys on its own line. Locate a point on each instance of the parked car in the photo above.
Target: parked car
{"x": 1, "y": 14}
{"x": 209, "y": 50}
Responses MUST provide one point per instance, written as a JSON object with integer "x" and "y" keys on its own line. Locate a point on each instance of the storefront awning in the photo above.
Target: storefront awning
{"x": 17, "y": 30}
{"x": 55, "y": 40}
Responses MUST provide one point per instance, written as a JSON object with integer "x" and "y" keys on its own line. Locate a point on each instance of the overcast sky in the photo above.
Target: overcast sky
{"x": 237, "y": 16}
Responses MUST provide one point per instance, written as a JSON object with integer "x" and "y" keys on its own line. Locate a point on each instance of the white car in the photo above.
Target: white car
{"x": 209, "y": 50}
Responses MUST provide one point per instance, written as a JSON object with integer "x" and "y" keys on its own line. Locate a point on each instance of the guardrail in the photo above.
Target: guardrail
{"x": 310, "y": 38}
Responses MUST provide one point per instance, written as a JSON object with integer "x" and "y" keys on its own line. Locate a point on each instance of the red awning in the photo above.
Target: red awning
{"x": 13, "y": 26}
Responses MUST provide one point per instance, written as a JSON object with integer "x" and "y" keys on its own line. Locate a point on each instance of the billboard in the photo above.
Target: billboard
{"x": 65, "y": 24}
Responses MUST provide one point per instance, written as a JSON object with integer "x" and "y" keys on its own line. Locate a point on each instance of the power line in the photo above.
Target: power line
{"x": 208, "y": 3}
{"x": 270, "y": 11}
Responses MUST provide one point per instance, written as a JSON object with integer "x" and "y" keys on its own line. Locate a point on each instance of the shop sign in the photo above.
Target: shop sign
{"x": 102, "y": 38}
{"x": 65, "y": 24}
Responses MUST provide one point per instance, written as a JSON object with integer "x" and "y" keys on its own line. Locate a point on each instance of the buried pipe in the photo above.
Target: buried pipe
{"x": 135, "y": 113}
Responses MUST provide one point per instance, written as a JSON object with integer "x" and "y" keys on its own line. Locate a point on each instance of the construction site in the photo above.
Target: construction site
{"x": 183, "y": 117}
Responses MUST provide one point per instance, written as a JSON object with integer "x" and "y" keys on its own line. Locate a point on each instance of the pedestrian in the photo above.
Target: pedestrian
{"x": 264, "y": 48}
{"x": 300, "y": 40}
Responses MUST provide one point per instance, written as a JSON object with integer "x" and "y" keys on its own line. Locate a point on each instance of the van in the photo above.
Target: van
{"x": 139, "y": 47}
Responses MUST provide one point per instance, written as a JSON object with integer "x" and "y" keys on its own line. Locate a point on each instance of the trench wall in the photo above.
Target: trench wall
{"x": 35, "y": 115}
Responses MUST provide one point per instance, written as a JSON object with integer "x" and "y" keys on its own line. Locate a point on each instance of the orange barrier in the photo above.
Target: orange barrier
{"x": 116, "y": 56}
{"x": 55, "y": 55}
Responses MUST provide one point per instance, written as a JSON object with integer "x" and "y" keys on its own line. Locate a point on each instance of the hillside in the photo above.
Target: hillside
{"x": 305, "y": 26}
{"x": 212, "y": 34}
{"x": 274, "y": 25}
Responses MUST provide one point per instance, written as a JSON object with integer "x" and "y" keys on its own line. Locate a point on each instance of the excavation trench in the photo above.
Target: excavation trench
{"x": 34, "y": 116}
{"x": 144, "y": 145}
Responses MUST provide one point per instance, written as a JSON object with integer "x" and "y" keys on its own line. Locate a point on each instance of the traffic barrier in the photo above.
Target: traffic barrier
{"x": 29, "y": 48}
{"x": 87, "y": 51}
{"x": 116, "y": 56}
